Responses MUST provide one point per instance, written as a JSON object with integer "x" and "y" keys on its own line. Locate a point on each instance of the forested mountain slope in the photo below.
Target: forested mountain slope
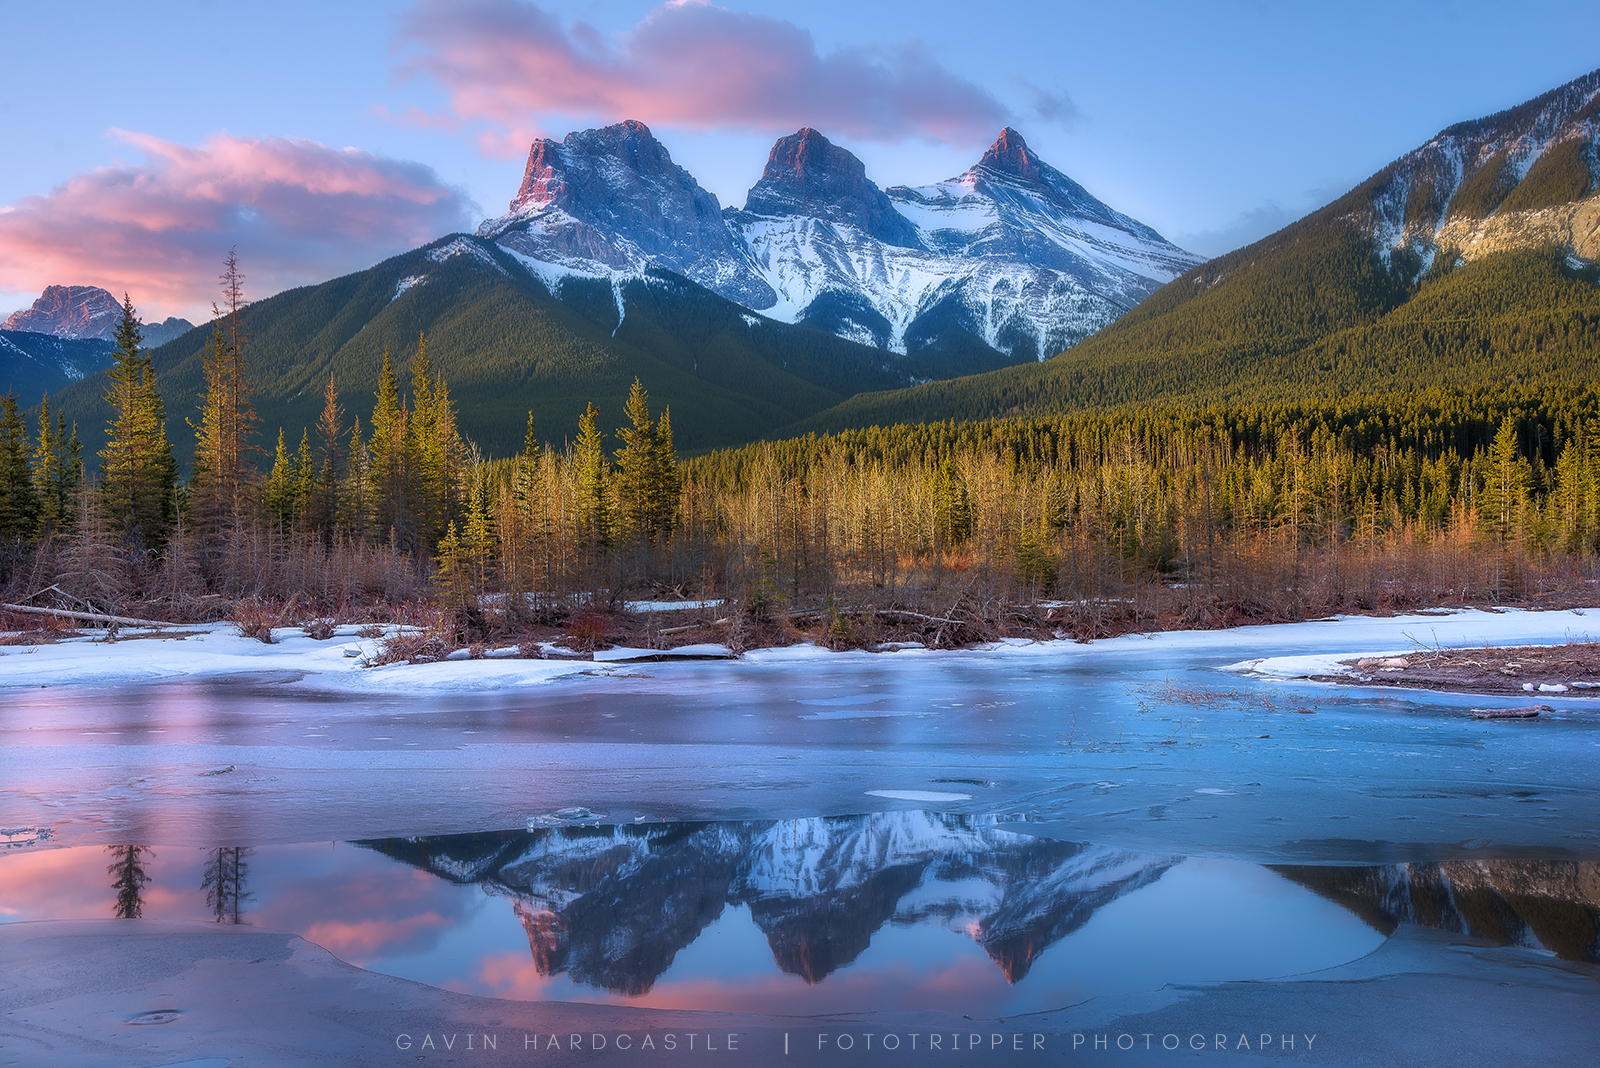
{"x": 1468, "y": 262}
{"x": 506, "y": 345}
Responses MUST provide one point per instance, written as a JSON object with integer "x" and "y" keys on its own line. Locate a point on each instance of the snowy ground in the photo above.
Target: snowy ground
{"x": 217, "y": 650}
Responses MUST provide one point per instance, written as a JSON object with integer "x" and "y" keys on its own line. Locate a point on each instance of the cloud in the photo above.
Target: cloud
{"x": 1056, "y": 107}
{"x": 299, "y": 212}
{"x": 506, "y": 65}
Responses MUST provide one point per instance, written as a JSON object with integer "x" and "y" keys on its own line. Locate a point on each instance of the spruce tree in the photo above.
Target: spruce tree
{"x": 18, "y": 507}
{"x": 223, "y": 482}
{"x": 277, "y": 498}
{"x": 387, "y": 483}
{"x": 666, "y": 484}
{"x": 138, "y": 475}
{"x": 636, "y": 467}
{"x": 305, "y": 482}
{"x": 330, "y": 428}
{"x": 595, "y": 516}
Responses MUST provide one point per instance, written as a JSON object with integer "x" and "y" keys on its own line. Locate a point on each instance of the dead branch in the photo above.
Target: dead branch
{"x": 92, "y": 617}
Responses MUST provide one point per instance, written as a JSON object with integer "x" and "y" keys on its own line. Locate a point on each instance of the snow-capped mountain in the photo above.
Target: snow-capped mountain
{"x": 1013, "y": 252}
{"x": 1013, "y": 256}
{"x": 32, "y": 363}
{"x": 609, "y": 203}
{"x": 1517, "y": 179}
{"x": 86, "y": 312}
{"x": 612, "y": 906}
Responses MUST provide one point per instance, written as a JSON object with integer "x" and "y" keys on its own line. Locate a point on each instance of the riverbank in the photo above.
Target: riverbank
{"x": 1443, "y": 649}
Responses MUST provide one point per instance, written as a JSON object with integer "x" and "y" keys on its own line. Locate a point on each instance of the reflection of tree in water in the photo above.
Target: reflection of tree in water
{"x": 1551, "y": 903}
{"x": 224, "y": 883}
{"x": 130, "y": 879}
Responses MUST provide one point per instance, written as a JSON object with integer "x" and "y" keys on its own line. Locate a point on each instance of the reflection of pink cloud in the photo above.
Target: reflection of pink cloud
{"x": 299, "y": 212}
{"x": 506, "y": 62}
{"x": 366, "y": 911}
{"x": 363, "y": 941}
{"x": 957, "y": 986}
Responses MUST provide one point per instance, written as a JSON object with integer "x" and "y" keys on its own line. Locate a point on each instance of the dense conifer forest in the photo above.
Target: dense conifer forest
{"x": 949, "y": 531}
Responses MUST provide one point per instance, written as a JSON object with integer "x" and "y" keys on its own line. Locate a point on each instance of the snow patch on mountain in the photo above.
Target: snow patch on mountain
{"x": 1416, "y": 203}
{"x": 406, "y": 283}
{"x": 1012, "y": 253}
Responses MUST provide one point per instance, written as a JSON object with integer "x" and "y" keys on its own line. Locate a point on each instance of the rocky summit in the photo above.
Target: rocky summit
{"x": 80, "y": 312}
{"x": 609, "y": 203}
{"x": 1011, "y": 261}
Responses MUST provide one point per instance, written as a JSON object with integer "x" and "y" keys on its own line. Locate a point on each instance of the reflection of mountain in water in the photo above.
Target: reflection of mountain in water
{"x": 1549, "y": 904}
{"x": 612, "y": 906}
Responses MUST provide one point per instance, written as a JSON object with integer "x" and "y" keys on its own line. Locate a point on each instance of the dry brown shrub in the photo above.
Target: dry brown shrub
{"x": 587, "y": 631}
{"x": 319, "y": 629}
{"x": 256, "y": 619}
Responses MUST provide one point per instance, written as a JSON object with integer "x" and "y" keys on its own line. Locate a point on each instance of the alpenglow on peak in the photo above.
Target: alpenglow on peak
{"x": 1010, "y": 261}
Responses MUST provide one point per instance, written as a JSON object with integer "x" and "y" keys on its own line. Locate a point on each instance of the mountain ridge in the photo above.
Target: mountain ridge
{"x": 1339, "y": 301}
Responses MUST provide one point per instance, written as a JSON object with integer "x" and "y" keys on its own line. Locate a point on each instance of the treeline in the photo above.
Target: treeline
{"x": 1255, "y": 511}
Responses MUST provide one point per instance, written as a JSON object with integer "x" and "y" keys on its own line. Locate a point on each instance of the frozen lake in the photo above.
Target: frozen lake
{"x": 1003, "y": 830}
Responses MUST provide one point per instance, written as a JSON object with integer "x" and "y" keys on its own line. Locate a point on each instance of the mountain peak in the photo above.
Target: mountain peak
{"x": 806, "y": 174}
{"x": 547, "y": 178}
{"x": 69, "y": 311}
{"x": 1010, "y": 155}
{"x": 85, "y": 312}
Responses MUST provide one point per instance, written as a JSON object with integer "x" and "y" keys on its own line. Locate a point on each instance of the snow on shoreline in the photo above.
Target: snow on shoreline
{"x": 216, "y": 650}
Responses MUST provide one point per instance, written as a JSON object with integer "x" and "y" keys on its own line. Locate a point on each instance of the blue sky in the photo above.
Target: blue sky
{"x": 144, "y": 140}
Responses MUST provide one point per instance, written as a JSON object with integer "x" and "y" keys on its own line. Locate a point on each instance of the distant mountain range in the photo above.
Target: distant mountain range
{"x": 826, "y": 302}
{"x": 65, "y": 337}
{"x": 1010, "y": 261}
{"x": 86, "y": 312}
{"x": 1469, "y": 262}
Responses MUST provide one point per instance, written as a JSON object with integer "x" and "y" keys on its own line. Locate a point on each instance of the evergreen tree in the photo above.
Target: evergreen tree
{"x": 595, "y": 516}
{"x": 138, "y": 474}
{"x": 355, "y": 499}
{"x": 330, "y": 428}
{"x": 277, "y": 497}
{"x": 636, "y": 467}
{"x": 223, "y": 481}
{"x": 305, "y": 482}
{"x": 1508, "y": 480}
{"x": 18, "y": 506}
{"x": 387, "y": 483}
{"x": 666, "y": 483}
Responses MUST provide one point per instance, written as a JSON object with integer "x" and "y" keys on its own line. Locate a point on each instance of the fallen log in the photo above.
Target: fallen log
{"x": 1526, "y": 712}
{"x": 92, "y": 617}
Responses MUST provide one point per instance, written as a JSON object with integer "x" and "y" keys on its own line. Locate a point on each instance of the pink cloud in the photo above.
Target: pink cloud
{"x": 506, "y": 64}
{"x": 299, "y": 212}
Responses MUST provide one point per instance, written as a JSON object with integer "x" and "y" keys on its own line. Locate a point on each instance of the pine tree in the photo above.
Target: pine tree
{"x": 138, "y": 474}
{"x": 330, "y": 428}
{"x": 277, "y": 497}
{"x": 305, "y": 482}
{"x": 666, "y": 484}
{"x": 223, "y": 489}
{"x": 18, "y": 506}
{"x": 387, "y": 482}
{"x": 355, "y": 499}
{"x": 595, "y": 516}
{"x": 636, "y": 464}
{"x": 1507, "y": 484}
